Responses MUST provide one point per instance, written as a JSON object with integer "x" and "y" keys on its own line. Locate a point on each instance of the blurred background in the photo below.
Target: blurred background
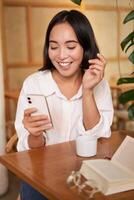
{"x": 23, "y": 24}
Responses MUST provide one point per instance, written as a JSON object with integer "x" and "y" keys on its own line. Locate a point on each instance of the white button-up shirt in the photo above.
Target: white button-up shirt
{"x": 66, "y": 114}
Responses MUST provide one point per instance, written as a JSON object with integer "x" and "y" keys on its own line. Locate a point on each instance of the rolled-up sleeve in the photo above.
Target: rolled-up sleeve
{"x": 104, "y": 104}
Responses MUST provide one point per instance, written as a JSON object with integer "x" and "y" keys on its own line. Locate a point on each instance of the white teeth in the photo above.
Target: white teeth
{"x": 64, "y": 64}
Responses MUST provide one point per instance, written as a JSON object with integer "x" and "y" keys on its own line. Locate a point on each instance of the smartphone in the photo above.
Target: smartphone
{"x": 39, "y": 102}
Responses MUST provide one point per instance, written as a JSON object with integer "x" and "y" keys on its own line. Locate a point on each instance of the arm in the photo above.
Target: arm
{"x": 36, "y": 141}
{"x": 91, "y": 115}
{"x": 35, "y": 125}
{"x": 96, "y": 101}
{"x": 29, "y": 128}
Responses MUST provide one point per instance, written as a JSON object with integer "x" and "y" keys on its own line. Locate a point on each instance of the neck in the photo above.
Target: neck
{"x": 68, "y": 86}
{"x": 75, "y": 79}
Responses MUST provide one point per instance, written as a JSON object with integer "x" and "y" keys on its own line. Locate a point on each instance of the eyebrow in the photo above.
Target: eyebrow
{"x": 69, "y": 41}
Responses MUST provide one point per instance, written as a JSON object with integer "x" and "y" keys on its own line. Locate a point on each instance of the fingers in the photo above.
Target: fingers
{"x": 101, "y": 61}
{"x": 34, "y": 118}
{"x": 98, "y": 65}
{"x": 98, "y": 70}
{"x": 97, "y": 73}
{"x": 36, "y": 131}
{"x": 29, "y": 111}
{"x": 96, "y": 61}
{"x": 35, "y": 124}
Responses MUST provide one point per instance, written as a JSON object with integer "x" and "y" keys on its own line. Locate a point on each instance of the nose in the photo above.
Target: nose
{"x": 62, "y": 53}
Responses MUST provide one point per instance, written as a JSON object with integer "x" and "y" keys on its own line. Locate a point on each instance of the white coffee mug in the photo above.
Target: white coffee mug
{"x": 86, "y": 145}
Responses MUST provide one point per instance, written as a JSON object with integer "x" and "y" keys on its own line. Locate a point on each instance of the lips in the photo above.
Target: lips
{"x": 64, "y": 64}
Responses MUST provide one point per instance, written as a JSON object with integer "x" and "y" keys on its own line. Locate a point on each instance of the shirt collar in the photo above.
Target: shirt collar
{"x": 48, "y": 86}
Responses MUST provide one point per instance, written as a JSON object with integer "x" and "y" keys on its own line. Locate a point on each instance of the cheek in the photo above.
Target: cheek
{"x": 78, "y": 56}
{"x": 50, "y": 54}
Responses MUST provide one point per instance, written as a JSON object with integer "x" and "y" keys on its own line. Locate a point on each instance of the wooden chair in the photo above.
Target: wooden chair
{"x": 11, "y": 144}
{"x": 11, "y": 147}
{"x": 12, "y": 141}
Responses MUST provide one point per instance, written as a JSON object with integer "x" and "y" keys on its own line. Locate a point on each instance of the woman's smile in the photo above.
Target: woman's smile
{"x": 65, "y": 65}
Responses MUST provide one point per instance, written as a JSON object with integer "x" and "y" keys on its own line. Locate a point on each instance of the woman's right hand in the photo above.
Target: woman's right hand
{"x": 36, "y": 124}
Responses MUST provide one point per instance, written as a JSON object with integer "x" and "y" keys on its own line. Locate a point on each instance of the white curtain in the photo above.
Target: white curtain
{"x": 3, "y": 170}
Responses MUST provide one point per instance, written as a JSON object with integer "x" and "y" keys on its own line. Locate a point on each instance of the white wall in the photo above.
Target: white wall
{"x": 3, "y": 170}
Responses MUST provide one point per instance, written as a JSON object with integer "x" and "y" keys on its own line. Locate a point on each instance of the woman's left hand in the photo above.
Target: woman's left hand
{"x": 95, "y": 73}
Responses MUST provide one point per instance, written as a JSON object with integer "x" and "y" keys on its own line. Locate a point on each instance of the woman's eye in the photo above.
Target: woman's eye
{"x": 73, "y": 47}
{"x": 53, "y": 48}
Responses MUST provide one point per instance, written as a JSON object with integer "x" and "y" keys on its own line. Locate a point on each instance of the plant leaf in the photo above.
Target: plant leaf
{"x": 126, "y": 96}
{"x": 128, "y": 39}
{"x": 125, "y": 80}
{"x": 129, "y": 46}
{"x": 131, "y": 57}
{"x": 131, "y": 112}
{"x": 129, "y": 17}
{"x": 77, "y": 1}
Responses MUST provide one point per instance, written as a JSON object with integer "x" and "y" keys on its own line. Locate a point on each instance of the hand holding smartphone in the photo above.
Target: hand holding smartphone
{"x": 39, "y": 102}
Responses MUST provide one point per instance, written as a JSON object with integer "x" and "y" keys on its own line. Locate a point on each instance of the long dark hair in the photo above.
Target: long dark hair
{"x": 83, "y": 31}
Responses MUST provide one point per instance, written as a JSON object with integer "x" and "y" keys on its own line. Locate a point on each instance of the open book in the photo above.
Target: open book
{"x": 115, "y": 175}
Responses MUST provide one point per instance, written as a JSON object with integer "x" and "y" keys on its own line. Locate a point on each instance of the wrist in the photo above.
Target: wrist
{"x": 88, "y": 92}
{"x": 36, "y": 141}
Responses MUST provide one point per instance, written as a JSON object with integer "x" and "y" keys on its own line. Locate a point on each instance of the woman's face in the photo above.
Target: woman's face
{"x": 65, "y": 52}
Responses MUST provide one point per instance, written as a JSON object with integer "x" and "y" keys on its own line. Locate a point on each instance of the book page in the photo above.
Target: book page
{"x": 124, "y": 154}
{"x": 109, "y": 170}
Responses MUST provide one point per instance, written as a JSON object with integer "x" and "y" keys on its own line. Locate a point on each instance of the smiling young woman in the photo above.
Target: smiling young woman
{"x": 72, "y": 81}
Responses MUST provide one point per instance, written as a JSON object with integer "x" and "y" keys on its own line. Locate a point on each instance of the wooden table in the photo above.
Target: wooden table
{"x": 47, "y": 168}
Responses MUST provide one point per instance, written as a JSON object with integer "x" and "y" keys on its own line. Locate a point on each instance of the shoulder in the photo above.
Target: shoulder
{"x": 37, "y": 76}
{"x": 35, "y": 80}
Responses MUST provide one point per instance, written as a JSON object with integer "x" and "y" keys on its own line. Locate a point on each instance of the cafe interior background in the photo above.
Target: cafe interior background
{"x": 23, "y": 25}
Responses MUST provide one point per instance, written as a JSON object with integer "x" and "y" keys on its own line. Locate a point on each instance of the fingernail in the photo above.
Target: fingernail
{"x": 49, "y": 125}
